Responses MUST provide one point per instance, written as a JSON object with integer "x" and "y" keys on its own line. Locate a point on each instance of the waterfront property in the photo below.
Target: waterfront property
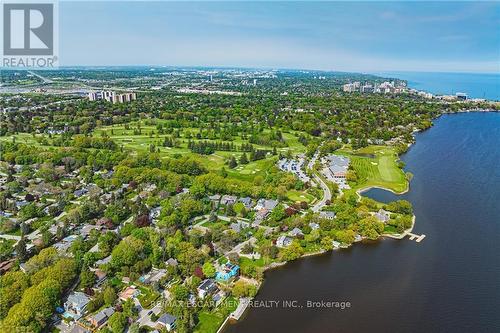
{"x": 207, "y": 287}
{"x": 227, "y": 272}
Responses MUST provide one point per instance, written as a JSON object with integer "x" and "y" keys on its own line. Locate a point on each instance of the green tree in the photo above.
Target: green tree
{"x": 117, "y": 322}
{"x": 232, "y": 163}
{"x": 109, "y": 296}
{"x": 208, "y": 269}
{"x": 244, "y": 159}
{"x": 87, "y": 278}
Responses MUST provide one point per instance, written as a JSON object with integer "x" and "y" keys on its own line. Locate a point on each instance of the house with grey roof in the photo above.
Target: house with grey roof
{"x": 104, "y": 261}
{"x": 382, "y": 215}
{"x": 228, "y": 199}
{"x": 215, "y": 197}
{"x": 314, "y": 226}
{"x": 247, "y": 202}
{"x": 101, "y": 317}
{"x": 327, "y": 215}
{"x": 166, "y": 320}
{"x": 207, "y": 287}
{"x": 268, "y": 204}
{"x": 172, "y": 262}
{"x": 283, "y": 241}
{"x": 296, "y": 232}
{"x": 75, "y": 305}
{"x": 236, "y": 226}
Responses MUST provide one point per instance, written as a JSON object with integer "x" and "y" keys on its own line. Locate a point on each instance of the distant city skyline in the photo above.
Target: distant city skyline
{"x": 334, "y": 36}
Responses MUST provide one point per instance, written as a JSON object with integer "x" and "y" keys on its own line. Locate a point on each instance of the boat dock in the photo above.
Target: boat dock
{"x": 242, "y": 306}
{"x": 415, "y": 237}
{"x": 236, "y": 314}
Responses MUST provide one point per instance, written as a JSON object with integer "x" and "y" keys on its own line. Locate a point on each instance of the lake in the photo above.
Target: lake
{"x": 448, "y": 282}
{"x": 476, "y": 85}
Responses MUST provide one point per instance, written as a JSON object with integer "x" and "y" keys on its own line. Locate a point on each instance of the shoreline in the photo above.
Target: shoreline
{"x": 359, "y": 193}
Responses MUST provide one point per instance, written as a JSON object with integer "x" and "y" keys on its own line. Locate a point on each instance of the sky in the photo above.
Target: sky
{"x": 343, "y": 36}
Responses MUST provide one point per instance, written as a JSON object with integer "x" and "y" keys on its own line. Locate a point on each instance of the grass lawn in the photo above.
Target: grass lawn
{"x": 390, "y": 229}
{"x": 295, "y": 196}
{"x": 377, "y": 166}
{"x": 247, "y": 262}
{"x": 210, "y": 321}
{"x": 212, "y": 162}
{"x": 216, "y": 224}
{"x": 147, "y": 296}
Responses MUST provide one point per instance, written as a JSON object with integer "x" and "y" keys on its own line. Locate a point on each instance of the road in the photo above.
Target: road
{"x": 45, "y": 80}
{"x": 145, "y": 315}
{"x": 327, "y": 195}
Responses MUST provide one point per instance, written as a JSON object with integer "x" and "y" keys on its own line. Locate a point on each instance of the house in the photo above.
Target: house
{"x": 383, "y": 215}
{"x": 247, "y": 202}
{"x": 81, "y": 192}
{"x": 214, "y": 198}
{"x": 261, "y": 215}
{"x": 283, "y": 241}
{"x": 76, "y": 328}
{"x": 23, "y": 267}
{"x": 171, "y": 262}
{"x": 358, "y": 238}
{"x": 296, "y": 232}
{"x": 86, "y": 229}
{"x": 166, "y": 320}
{"x": 335, "y": 244}
{"x": 228, "y": 200}
{"x": 105, "y": 222}
{"x": 207, "y": 287}
{"x": 129, "y": 292}
{"x": 327, "y": 215}
{"x": 219, "y": 297}
{"x": 155, "y": 275}
{"x": 150, "y": 187}
{"x": 75, "y": 305}
{"x": 104, "y": 261}
{"x": 101, "y": 317}
{"x": 314, "y": 226}
{"x": 236, "y": 226}
{"x": 95, "y": 248}
{"x": 6, "y": 265}
{"x": 227, "y": 272}
{"x": 65, "y": 244}
{"x": 154, "y": 213}
{"x": 101, "y": 276}
{"x": 267, "y": 204}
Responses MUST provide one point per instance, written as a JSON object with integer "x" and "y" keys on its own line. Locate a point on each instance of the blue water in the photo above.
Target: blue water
{"x": 476, "y": 85}
{"x": 450, "y": 282}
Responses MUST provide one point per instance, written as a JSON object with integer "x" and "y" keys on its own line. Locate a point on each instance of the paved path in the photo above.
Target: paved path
{"x": 245, "y": 222}
{"x": 13, "y": 237}
{"x": 237, "y": 249}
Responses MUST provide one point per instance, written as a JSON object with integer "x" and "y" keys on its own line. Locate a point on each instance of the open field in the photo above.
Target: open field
{"x": 377, "y": 166}
{"x": 141, "y": 142}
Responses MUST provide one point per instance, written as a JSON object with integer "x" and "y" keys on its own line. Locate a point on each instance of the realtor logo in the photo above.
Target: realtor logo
{"x": 29, "y": 34}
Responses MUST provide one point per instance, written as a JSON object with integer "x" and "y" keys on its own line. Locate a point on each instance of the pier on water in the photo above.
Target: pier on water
{"x": 415, "y": 237}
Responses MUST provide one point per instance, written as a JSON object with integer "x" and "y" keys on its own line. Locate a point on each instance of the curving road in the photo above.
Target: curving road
{"x": 327, "y": 195}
